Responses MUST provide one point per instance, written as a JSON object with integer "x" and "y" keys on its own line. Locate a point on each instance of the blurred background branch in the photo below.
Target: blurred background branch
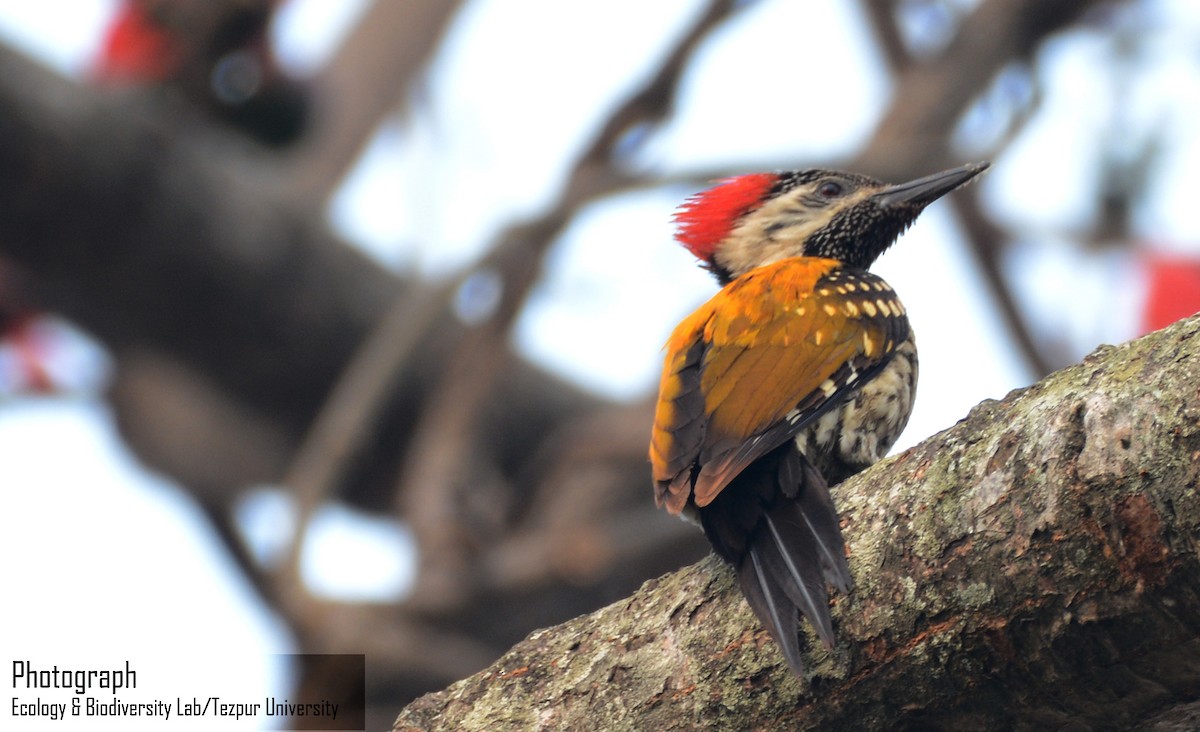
{"x": 179, "y": 205}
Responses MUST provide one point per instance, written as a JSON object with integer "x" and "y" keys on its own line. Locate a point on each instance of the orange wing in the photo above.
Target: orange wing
{"x": 758, "y": 362}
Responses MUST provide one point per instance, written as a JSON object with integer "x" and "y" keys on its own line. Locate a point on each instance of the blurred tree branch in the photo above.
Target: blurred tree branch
{"x": 932, "y": 95}
{"x": 1033, "y": 567}
{"x": 376, "y": 70}
{"x": 448, "y": 428}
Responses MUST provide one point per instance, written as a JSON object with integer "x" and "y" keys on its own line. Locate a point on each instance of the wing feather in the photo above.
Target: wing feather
{"x": 757, "y": 363}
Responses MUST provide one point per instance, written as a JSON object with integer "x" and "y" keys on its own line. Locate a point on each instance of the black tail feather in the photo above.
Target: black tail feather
{"x": 788, "y": 556}
{"x": 775, "y": 613}
{"x": 816, "y": 510}
{"x": 776, "y": 524}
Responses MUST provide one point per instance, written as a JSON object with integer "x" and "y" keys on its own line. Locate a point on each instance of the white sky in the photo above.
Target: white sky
{"x": 103, "y": 557}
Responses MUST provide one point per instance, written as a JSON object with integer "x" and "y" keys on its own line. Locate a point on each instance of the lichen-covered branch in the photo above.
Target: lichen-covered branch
{"x": 1033, "y": 566}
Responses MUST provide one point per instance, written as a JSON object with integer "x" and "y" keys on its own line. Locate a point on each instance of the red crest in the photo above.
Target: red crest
{"x": 707, "y": 217}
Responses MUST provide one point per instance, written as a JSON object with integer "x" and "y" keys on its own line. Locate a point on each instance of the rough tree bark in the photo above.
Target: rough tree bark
{"x": 1033, "y": 567}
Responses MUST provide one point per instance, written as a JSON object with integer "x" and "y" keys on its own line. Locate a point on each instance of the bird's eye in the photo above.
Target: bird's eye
{"x": 829, "y": 189}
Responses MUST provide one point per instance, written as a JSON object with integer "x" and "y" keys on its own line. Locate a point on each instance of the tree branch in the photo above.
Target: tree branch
{"x": 881, "y": 14}
{"x": 376, "y": 68}
{"x": 930, "y": 97}
{"x": 450, "y": 424}
{"x": 1033, "y": 566}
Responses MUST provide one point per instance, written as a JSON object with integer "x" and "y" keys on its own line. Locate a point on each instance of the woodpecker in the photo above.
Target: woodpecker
{"x": 798, "y": 373}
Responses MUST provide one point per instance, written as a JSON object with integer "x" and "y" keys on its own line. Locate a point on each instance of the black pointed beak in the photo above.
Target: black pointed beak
{"x": 924, "y": 191}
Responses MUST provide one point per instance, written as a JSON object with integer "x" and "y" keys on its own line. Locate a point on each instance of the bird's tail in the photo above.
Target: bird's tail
{"x": 776, "y": 524}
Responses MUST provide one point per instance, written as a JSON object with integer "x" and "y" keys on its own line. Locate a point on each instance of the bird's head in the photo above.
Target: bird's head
{"x": 752, "y": 220}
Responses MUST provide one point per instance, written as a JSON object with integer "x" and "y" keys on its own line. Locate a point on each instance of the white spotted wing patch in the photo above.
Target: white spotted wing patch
{"x": 864, "y": 297}
{"x": 858, "y": 412}
{"x": 816, "y": 421}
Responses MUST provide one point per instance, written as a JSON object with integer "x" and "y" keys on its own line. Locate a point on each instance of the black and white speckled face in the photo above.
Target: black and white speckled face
{"x": 858, "y": 233}
{"x": 827, "y": 213}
